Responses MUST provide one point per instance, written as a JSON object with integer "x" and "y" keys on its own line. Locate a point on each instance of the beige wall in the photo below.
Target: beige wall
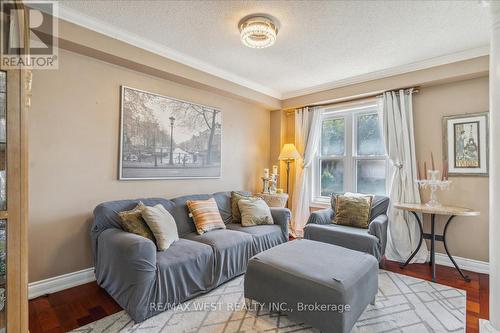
{"x": 73, "y": 145}
{"x": 467, "y": 237}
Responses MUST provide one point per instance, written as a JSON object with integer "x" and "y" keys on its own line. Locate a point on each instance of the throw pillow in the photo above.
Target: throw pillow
{"x": 254, "y": 212}
{"x": 347, "y": 194}
{"x": 132, "y": 221}
{"x": 353, "y": 210}
{"x": 235, "y": 210}
{"x": 162, "y": 224}
{"x": 205, "y": 214}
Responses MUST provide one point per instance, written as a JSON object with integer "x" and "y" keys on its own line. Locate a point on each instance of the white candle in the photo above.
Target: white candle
{"x": 266, "y": 173}
{"x": 275, "y": 169}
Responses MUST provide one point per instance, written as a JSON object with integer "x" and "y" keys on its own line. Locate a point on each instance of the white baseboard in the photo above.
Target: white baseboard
{"x": 486, "y": 327}
{"x": 464, "y": 263}
{"x": 61, "y": 282}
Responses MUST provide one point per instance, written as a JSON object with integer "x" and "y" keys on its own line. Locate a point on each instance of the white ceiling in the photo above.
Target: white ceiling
{"x": 320, "y": 44}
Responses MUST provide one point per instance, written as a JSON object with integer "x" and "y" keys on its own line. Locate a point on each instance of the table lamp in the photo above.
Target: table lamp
{"x": 288, "y": 154}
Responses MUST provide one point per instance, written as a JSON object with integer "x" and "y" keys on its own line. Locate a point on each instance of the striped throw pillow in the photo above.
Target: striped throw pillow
{"x": 205, "y": 214}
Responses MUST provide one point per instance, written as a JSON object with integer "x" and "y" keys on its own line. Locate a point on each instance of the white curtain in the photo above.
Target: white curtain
{"x": 403, "y": 233}
{"x": 307, "y": 123}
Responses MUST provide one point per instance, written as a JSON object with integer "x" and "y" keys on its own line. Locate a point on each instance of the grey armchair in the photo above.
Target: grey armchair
{"x": 373, "y": 240}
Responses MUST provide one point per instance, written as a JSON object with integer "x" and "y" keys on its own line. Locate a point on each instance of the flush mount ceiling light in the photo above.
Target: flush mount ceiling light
{"x": 257, "y": 31}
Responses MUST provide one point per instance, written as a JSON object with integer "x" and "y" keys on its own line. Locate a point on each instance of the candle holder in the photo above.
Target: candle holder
{"x": 434, "y": 183}
{"x": 265, "y": 184}
{"x": 269, "y": 184}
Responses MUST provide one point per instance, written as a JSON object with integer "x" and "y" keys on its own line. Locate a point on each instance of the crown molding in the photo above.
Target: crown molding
{"x": 90, "y": 23}
{"x": 412, "y": 67}
{"x": 157, "y": 48}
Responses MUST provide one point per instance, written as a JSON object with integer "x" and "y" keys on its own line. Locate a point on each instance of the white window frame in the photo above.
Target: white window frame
{"x": 350, "y": 157}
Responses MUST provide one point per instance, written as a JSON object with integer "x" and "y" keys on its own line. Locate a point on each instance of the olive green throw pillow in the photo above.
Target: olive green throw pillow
{"x": 235, "y": 210}
{"x": 132, "y": 221}
{"x": 353, "y": 210}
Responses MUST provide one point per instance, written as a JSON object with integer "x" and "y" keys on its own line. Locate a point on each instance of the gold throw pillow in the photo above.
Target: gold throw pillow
{"x": 132, "y": 221}
{"x": 353, "y": 211}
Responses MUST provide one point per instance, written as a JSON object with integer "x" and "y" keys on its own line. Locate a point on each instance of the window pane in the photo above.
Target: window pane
{"x": 369, "y": 140}
{"x": 371, "y": 176}
{"x": 332, "y": 137}
{"x": 332, "y": 177}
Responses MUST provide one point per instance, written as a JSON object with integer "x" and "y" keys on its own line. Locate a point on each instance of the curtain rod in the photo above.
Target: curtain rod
{"x": 416, "y": 90}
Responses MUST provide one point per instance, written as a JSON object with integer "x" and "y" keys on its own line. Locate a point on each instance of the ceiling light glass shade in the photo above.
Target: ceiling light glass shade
{"x": 258, "y": 32}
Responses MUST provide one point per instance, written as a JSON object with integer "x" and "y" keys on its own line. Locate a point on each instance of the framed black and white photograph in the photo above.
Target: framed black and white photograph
{"x": 466, "y": 144}
{"x": 166, "y": 138}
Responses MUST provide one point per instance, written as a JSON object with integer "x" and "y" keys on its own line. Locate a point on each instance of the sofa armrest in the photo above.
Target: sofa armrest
{"x": 124, "y": 259}
{"x": 378, "y": 228}
{"x": 282, "y": 217}
{"x": 323, "y": 216}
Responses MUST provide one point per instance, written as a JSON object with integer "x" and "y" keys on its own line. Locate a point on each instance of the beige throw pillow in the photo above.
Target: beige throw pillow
{"x": 162, "y": 224}
{"x": 235, "y": 211}
{"x": 254, "y": 212}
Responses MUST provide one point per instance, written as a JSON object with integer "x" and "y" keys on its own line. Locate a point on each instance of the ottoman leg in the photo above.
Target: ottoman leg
{"x": 373, "y": 300}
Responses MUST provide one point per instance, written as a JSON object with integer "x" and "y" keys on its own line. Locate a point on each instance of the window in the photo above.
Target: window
{"x": 351, "y": 154}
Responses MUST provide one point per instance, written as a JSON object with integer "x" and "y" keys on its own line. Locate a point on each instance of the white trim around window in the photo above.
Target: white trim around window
{"x": 348, "y": 154}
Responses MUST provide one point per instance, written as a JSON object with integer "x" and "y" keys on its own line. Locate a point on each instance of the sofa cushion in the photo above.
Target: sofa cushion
{"x": 205, "y": 214}
{"x": 352, "y": 238}
{"x": 264, "y": 236}
{"x": 232, "y": 250}
{"x": 185, "y": 270}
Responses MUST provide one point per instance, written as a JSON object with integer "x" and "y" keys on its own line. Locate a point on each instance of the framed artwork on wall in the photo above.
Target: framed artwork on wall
{"x": 465, "y": 144}
{"x": 166, "y": 138}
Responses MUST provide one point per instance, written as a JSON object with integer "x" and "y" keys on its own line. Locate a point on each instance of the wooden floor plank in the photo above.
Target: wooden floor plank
{"x": 71, "y": 308}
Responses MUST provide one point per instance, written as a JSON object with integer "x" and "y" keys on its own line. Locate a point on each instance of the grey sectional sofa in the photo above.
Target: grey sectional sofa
{"x": 373, "y": 240}
{"x": 145, "y": 282}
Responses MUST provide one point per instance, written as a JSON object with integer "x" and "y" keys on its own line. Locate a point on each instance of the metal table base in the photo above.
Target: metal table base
{"x": 433, "y": 237}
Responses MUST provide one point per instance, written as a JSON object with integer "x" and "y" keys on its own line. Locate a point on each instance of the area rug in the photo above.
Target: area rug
{"x": 403, "y": 304}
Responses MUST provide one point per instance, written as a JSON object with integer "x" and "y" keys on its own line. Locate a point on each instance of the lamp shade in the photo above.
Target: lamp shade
{"x": 289, "y": 152}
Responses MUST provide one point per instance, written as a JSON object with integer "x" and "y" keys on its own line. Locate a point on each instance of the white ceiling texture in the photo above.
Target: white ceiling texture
{"x": 320, "y": 44}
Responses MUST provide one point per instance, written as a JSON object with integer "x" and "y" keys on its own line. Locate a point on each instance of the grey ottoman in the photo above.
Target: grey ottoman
{"x": 323, "y": 285}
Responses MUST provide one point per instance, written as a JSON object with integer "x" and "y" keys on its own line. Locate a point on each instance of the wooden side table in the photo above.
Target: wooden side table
{"x": 433, "y": 211}
{"x": 274, "y": 200}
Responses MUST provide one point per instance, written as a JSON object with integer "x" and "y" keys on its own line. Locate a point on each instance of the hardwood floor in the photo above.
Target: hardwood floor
{"x": 477, "y": 289}
{"x": 78, "y": 306}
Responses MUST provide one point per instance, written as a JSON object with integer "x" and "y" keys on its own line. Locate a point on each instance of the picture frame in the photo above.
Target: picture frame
{"x": 167, "y": 138}
{"x": 465, "y": 144}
